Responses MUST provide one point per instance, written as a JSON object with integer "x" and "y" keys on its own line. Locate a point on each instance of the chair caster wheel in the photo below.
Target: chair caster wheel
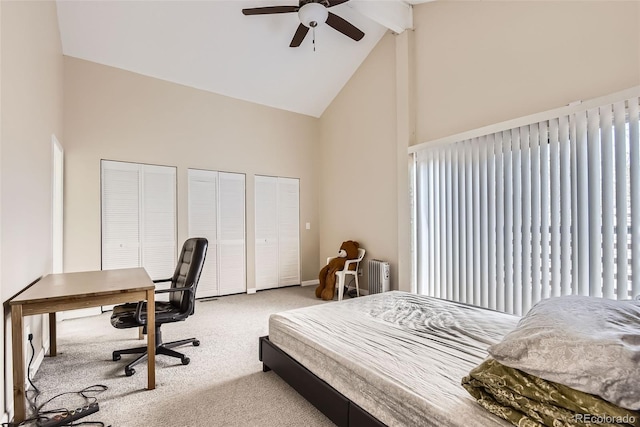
{"x": 129, "y": 372}
{"x": 185, "y": 360}
{"x": 196, "y": 343}
{"x": 116, "y": 356}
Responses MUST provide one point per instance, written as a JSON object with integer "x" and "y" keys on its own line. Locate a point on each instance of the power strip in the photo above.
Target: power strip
{"x": 68, "y": 417}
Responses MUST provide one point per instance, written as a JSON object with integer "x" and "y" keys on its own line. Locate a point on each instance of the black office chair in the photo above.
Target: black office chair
{"x": 181, "y": 305}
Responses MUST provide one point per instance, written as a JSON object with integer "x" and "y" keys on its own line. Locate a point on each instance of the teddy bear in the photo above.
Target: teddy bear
{"x": 327, "y": 276}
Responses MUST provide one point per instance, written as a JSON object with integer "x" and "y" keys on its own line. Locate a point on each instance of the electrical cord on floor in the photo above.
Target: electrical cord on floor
{"x": 38, "y": 410}
{"x": 35, "y": 390}
{"x": 96, "y": 388}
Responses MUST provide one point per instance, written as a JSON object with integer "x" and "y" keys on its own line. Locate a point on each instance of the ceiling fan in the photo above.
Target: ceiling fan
{"x": 311, "y": 14}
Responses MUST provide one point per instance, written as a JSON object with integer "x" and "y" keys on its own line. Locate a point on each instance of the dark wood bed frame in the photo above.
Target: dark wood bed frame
{"x": 339, "y": 409}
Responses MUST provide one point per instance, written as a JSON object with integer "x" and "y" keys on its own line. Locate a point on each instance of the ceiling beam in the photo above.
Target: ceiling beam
{"x": 396, "y": 15}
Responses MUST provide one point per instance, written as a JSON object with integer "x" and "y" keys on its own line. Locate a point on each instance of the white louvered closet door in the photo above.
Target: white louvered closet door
{"x": 231, "y": 233}
{"x": 158, "y": 223}
{"x": 288, "y": 231}
{"x": 120, "y": 215}
{"x": 139, "y": 218}
{"x": 277, "y": 231}
{"x": 203, "y": 222}
{"x": 266, "y": 217}
{"x": 217, "y": 212}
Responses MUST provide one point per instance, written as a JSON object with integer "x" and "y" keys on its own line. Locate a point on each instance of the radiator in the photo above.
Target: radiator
{"x": 379, "y": 276}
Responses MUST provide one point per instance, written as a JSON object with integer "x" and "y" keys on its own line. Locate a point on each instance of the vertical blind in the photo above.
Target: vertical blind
{"x": 544, "y": 209}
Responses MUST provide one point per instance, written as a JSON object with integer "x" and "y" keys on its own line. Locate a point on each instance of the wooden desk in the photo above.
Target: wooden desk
{"x": 69, "y": 291}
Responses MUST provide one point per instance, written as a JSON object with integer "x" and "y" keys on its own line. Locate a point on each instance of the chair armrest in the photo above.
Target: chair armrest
{"x": 169, "y": 290}
{"x": 349, "y": 262}
{"x": 162, "y": 280}
{"x": 138, "y": 315}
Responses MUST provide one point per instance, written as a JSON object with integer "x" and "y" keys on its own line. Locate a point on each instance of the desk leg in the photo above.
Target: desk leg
{"x": 151, "y": 339}
{"x": 53, "y": 348}
{"x": 19, "y": 409}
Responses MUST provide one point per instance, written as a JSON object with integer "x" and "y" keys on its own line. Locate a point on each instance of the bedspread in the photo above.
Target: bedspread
{"x": 397, "y": 355}
{"x": 529, "y": 401}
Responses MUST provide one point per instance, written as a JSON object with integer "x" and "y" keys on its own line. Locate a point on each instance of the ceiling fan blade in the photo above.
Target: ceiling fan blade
{"x": 336, "y": 2}
{"x": 269, "y": 10}
{"x": 301, "y": 32}
{"x": 344, "y": 27}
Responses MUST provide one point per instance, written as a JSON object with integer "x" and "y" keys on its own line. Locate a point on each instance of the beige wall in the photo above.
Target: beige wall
{"x": 469, "y": 64}
{"x": 31, "y": 98}
{"x": 118, "y": 115}
{"x": 480, "y": 63}
{"x": 358, "y": 169}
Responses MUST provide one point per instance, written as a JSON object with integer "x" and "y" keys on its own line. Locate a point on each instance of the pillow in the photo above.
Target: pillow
{"x": 586, "y": 343}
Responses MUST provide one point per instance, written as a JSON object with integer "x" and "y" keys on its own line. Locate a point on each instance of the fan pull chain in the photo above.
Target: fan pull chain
{"x": 314, "y": 39}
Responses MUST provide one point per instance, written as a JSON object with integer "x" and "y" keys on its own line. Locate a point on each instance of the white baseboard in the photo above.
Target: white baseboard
{"x": 251, "y": 290}
{"x": 46, "y": 345}
{"x": 310, "y": 282}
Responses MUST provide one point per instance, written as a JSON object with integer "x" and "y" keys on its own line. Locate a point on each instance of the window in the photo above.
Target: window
{"x": 507, "y": 218}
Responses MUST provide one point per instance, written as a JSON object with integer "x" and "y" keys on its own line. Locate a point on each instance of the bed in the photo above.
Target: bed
{"x": 394, "y": 359}
{"x": 400, "y": 359}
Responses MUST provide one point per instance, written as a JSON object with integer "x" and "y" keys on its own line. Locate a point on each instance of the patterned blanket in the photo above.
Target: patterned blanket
{"x": 527, "y": 401}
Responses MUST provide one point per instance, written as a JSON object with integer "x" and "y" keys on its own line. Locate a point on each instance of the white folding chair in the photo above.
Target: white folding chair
{"x": 341, "y": 275}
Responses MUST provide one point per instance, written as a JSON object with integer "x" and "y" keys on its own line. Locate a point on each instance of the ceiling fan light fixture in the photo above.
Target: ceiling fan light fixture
{"x": 313, "y": 14}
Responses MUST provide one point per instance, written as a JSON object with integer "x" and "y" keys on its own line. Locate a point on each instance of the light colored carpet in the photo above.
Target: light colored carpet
{"x": 222, "y": 386}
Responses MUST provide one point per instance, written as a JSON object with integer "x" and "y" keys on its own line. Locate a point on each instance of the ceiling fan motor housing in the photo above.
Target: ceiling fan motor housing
{"x": 313, "y": 14}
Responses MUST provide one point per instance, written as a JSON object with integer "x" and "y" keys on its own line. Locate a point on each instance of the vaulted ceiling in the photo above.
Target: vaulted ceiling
{"x": 211, "y": 45}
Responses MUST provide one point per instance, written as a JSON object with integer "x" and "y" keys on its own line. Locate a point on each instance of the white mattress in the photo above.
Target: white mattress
{"x": 397, "y": 355}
